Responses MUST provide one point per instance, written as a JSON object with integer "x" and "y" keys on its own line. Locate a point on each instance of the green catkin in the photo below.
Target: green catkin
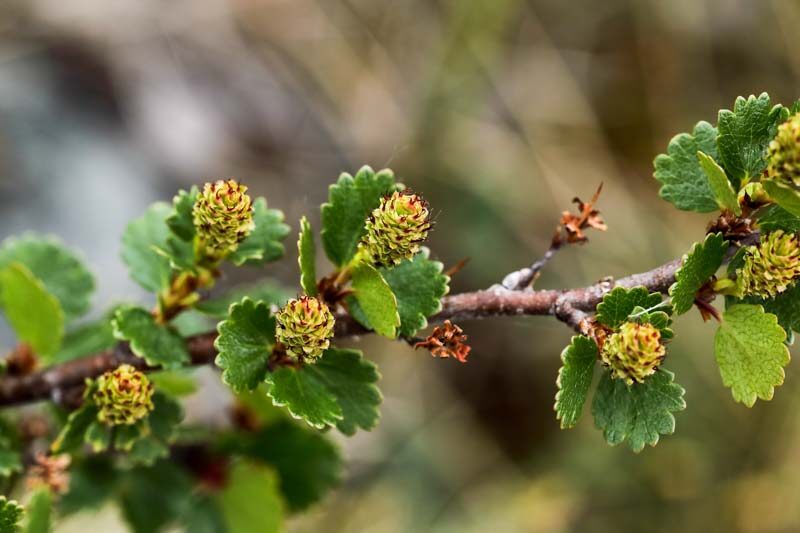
{"x": 770, "y": 267}
{"x": 395, "y": 229}
{"x": 305, "y": 327}
{"x": 783, "y": 154}
{"x": 223, "y": 217}
{"x": 124, "y": 396}
{"x": 634, "y": 352}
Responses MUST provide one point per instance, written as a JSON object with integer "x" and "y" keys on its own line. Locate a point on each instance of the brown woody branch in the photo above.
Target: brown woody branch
{"x": 574, "y": 307}
{"x": 570, "y": 306}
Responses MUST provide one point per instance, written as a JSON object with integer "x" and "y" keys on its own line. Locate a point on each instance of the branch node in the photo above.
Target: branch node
{"x": 566, "y": 312}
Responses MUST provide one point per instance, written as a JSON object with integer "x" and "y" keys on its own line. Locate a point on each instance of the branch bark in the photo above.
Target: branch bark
{"x": 570, "y": 306}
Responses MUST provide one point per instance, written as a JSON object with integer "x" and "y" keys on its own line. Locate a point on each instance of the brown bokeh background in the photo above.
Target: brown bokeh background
{"x": 499, "y": 112}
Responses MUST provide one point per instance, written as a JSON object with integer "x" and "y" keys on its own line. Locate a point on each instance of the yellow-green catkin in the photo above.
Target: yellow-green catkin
{"x": 634, "y": 352}
{"x": 305, "y": 327}
{"x": 395, "y": 229}
{"x": 124, "y": 396}
{"x": 783, "y": 153}
{"x": 770, "y": 267}
{"x": 223, "y": 217}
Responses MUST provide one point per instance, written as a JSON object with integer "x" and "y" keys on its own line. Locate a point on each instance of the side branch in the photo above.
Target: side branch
{"x": 569, "y": 231}
{"x": 571, "y": 306}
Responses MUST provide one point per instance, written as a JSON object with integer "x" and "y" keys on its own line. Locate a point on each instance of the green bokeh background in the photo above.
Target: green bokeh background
{"x": 499, "y": 112}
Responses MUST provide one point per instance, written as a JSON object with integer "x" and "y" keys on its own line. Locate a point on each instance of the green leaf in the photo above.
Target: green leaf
{"x": 153, "y": 498}
{"x": 638, "y": 413}
{"x": 32, "y": 311}
{"x": 376, "y": 300}
{"x": 162, "y": 424}
{"x": 419, "y": 286}
{"x": 618, "y": 304}
{"x": 702, "y": 262}
{"x": 267, "y": 291}
{"x": 179, "y": 253}
{"x": 574, "y": 379}
{"x": 307, "y": 463}
{"x": 244, "y": 344}
{"x": 260, "y": 405}
{"x": 750, "y": 351}
{"x": 307, "y": 258}
{"x": 140, "y": 244}
{"x": 350, "y": 202}
{"x": 744, "y": 134}
{"x": 38, "y": 512}
{"x": 720, "y": 185}
{"x": 190, "y": 323}
{"x": 659, "y": 319}
{"x": 60, "y": 269}
{"x": 86, "y": 339}
{"x": 10, "y": 457}
{"x": 786, "y": 306}
{"x": 338, "y": 390}
{"x": 10, "y": 462}
{"x": 251, "y": 500}
{"x": 124, "y": 436}
{"x": 72, "y": 434}
{"x": 92, "y": 482}
{"x": 178, "y": 247}
{"x": 203, "y": 515}
{"x": 176, "y": 383}
{"x": 264, "y": 242}
{"x": 351, "y": 379}
{"x": 305, "y": 396}
{"x": 775, "y": 217}
{"x": 10, "y": 515}
{"x": 157, "y": 344}
{"x": 98, "y": 436}
{"x": 784, "y": 196}
{"x": 683, "y": 181}
{"x": 167, "y": 413}
{"x": 181, "y": 220}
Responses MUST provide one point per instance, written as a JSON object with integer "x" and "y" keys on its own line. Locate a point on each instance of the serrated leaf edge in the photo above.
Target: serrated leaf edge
{"x": 425, "y": 252}
{"x": 54, "y": 240}
{"x": 338, "y": 416}
{"x": 225, "y": 372}
{"x": 620, "y": 289}
{"x": 135, "y": 347}
{"x": 673, "y": 421}
{"x": 685, "y": 257}
{"x": 771, "y": 393}
{"x": 285, "y": 230}
{"x": 558, "y": 385}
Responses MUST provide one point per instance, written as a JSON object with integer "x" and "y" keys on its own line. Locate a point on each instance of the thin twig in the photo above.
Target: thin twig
{"x": 525, "y": 276}
{"x": 575, "y": 318}
{"x": 569, "y": 231}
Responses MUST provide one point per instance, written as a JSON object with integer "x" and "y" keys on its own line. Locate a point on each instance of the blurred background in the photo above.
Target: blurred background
{"x": 499, "y": 113}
